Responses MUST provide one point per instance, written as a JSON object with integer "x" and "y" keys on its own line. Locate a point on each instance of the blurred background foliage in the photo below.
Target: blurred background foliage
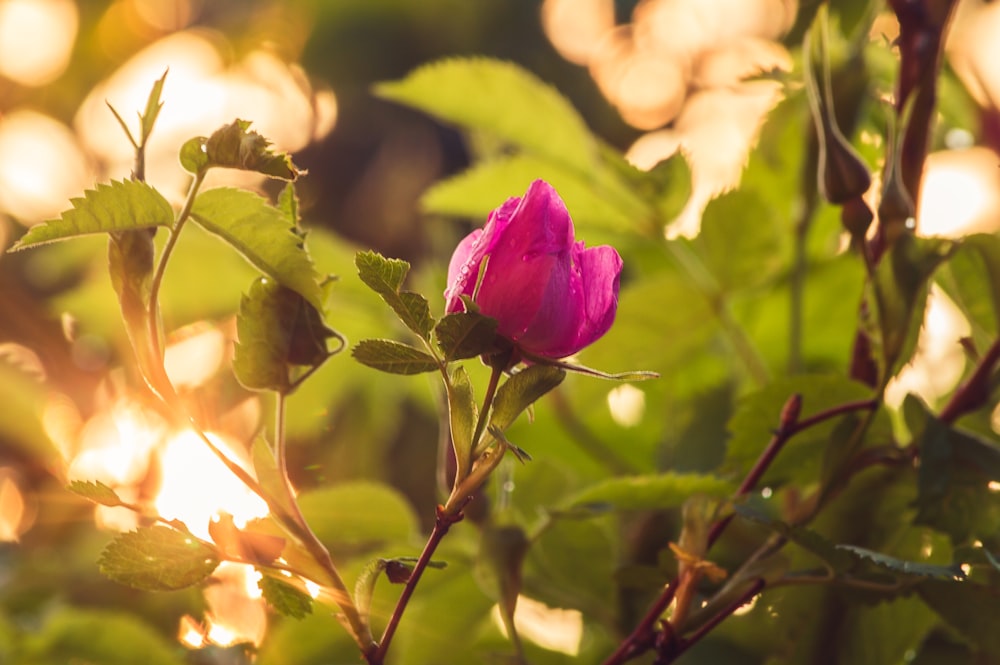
{"x": 737, "y": 298}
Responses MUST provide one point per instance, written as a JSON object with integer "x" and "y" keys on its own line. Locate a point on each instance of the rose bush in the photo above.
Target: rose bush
{"x": 550, "y": 295}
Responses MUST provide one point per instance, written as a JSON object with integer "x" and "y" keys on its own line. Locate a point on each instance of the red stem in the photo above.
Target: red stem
{"x": 703, "y": 630}
{"x": 976, "y": 391}
{"x": 442, "y": 524}
{"x": 643, "y": 637}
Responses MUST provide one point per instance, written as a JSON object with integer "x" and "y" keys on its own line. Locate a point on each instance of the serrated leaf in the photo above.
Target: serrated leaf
{"x": 595, "y": 199}
{"x": 262, "y": 234}
{"x": 470, "y": 92}
{"x": 265, "y": 467}
{"x": 158, "y": 558}
{"x": 969, "y": 608}
{"x": 385, "y": 277}
{"x": 911, "y": 568}
{"x": 953, "y": 478}
{"x": 757, "y": 414}
{"x": 972, "y": 280}
{"x": 664, "y": 490}
{"x": 462, "y": 419}
{"x": 153, "y": 106}
{"x": 96, "y": 491}
{"x": 521, "y": 390}
{"x": 364, "y": 587}
{"x": 234, "y": 146}
{"x": 285, "y": 598}
{"x": 465, "y": 335}
{"x": 121, "y": 205}
{"x": 288, "y": 203}
{"x": 393, "y": 357}
{"x": 277, "y": 329}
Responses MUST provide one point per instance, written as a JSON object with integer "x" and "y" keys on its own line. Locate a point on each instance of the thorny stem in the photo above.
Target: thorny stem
{"x": 442, "y": 524}
{"x": 153, "y": 323}
{"x": 643, "y": 638}
{"x": 447, "y": 515}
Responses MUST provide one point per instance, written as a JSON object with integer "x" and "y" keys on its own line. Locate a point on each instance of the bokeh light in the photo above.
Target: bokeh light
{"x": 41, "y": 166}
{"x": 960, "y": 193}
{"x": 36, "y": 39}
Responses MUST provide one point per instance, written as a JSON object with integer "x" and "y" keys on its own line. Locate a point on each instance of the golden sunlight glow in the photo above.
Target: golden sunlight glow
{"x": 747, "y": 607}
{"x": 194, "y": 355}
{"x": 551, "y": 628}
{"x": 36, "y": 39}
{"x": 41, "y": 166}
{"x": 313, "y": 589}
{"x": 973, "y": 50}
{"x": 196, "y": 486}
{"x": 575, "y": 27}
{"x": 236, "y": 609}
{"x": 114, "y": 446}
{"x": 202, "y": 92}
{"x": 960, "y": 193}
{"x": 12, "y": 507}
{"x": 939, "y": 361}
{"x": 993, "y": 486}
{"x": 190, "y": 633}
{"x": 164, "y": 15}
{"x": 627, "y": 404}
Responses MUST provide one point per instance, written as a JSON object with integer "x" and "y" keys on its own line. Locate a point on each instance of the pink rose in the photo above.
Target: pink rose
{"x": 550, "y": 296}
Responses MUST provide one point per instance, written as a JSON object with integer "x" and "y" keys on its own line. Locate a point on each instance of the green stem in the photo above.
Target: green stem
{"x": 153, "y": 322}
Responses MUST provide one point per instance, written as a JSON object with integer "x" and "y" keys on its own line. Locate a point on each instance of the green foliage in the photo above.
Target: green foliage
{"x": 462, "y": 414}
{"x": 521, "y": 391}
{"x": 285, "y": 598}
{"x": 263, "y": 235}
{"x": 233, "y": 146}
{"x": 666, "y": 490}
{"x": 385, "y": 277}
{"x": 96, "y": 491}
{"x": 158, "y": 558}
{"x": 393, "y": 357}
{"x": 278, "y": 329}
{"x": 121, "y": 205}
{"x": 464, "y": 335}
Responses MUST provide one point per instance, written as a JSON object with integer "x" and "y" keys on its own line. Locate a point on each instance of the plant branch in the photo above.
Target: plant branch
{"x": 153, "y": 307}
{"x": 442, "y": 524}
{"x": 682, "y": 645}
{"x": 975, "y": 392}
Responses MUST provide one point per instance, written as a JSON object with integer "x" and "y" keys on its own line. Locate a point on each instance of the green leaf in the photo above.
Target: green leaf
{"x": 393, "y": 357}
{"x": 193, "y": 157}
{"x": 900, "y": 293}
{"x": 153, "y": 106}
{"x": 364, "y": 587}
{"x": 277, "y": 329}
{"x": 265, "y": 467}
{"x": 262, "y": 234}
{"x": 465, "y": 335}
{"x": 503, "y": 99}
{"x": 117, "y": 206}
{"x": 595, "y": 199}
{"x": 502, "y": 549}
{"x": 96, "y": 491}
{"x": 953, "y": 479}
{"x": 357, "y": 517}
{"x": 385, "y": 277}
{"x": 972, "y": 280}
{"x": 158, "y": 558}
{"x": 756, "y": 416}
{"x": 234, "y": 146}
{"x": 844, "y": 558}
{"x": 462, "y": 419}
{"x": 664, "y": 490}
{"x": 285, "y": 598}
{"x": 288, "y": 203}
{"x": 92, "y": 635}
{"x": 521, "y": 391}
{"x": 969, "y": 608}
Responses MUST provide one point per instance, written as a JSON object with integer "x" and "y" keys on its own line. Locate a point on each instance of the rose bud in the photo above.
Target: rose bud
{"x": 550, "y": 296}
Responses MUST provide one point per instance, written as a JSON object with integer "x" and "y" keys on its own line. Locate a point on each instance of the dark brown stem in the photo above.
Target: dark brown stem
{"x": 683, "y": 645}
{"x": 643, "y": 638}
{"x": 976, "y": 391}
{"x": 442, "y": 524}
